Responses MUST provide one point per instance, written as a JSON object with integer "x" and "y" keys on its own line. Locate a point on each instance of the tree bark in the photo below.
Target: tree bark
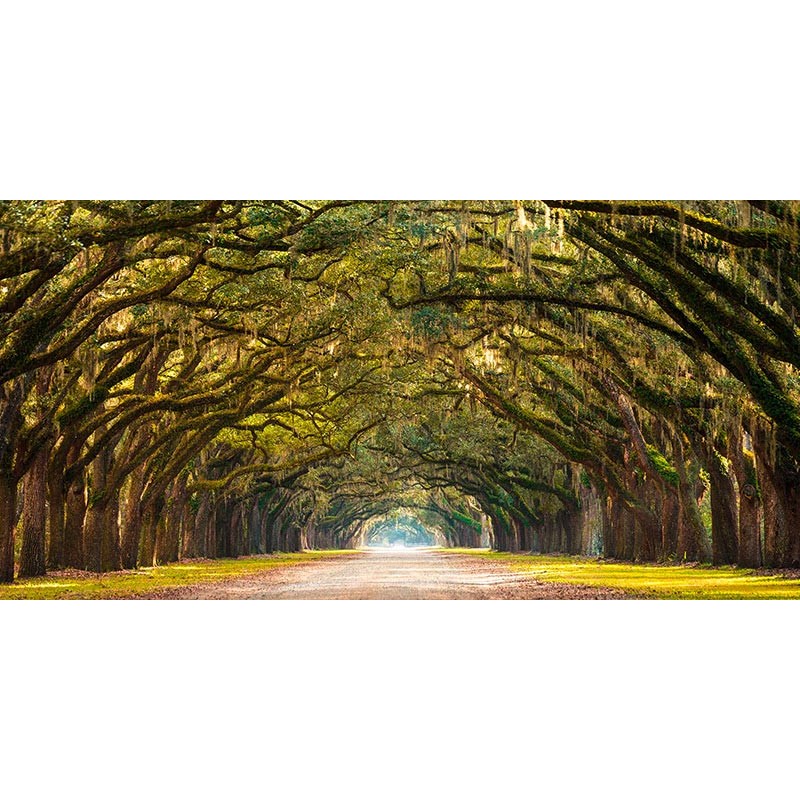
{"x": 110, "y": 553}
{"x": 724, "y": 522}
{"x": 779, "y": 481}
{"x": 692, "y": 543}
{"x": 168, "y": 530}
{"x": 34, "y": 518}
{"x": 56, "y": 501}
{"x": 8, "y": 508}
{"x": 73, "y": 523}
{"x": 151, "y": 518}
{"x": 690, "y": 526}
{"x": 210, "y": 533}
{"x": 194, "y": 529}
{"x": 254, "y": 528}
{"x": 750, "y": 509}
{"x": 131, "y": 529}
{"x": 11, "y": 397}
{"x": 95, "y": 520}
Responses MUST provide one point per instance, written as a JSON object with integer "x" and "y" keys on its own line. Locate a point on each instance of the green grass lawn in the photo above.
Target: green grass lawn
{"x": 90, "y": 586}
{"x": 651, "y": 580}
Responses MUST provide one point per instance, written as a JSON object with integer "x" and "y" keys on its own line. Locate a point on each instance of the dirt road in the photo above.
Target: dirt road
{"x": 388, "y": 574}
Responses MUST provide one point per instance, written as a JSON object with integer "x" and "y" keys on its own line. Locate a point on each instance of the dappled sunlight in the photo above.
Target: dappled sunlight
{"x": 157, "y": 579}
{"x": 675, "y": 581}
{"x": 43, "y": 585}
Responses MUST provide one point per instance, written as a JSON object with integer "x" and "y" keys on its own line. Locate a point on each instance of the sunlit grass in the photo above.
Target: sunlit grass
{"x": 117, "y": 585}
{"x": 650, "y": 580}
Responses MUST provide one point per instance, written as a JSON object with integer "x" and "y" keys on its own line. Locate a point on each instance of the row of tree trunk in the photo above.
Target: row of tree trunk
{"x": 750, "y": 490}
{"x": 748, "y": 485}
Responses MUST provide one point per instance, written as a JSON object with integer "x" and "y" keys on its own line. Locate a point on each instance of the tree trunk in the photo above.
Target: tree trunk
{"x": 267, "y": 524}
{"x": 132, "y": 519}
{"x": 168, "y": 530}
{"x": 151, "y": 518}
{"x": 223, "y": 526}
{"x": 724, "y": 522}
{"x": 779, "y": 480}
{"x": 692, "y": 542}
{"x": 110, "y": 552}
{"x": 194, "y": 529}
{"x": 591, "y": 521}
{"x": 647, "y": 530}
{"x": 210, "y": 537}
{"x": 749, "y": 529}
{"x": 254, "y": 529}
{"x": 56, "y": 501}
{"x": 515, "y": 531}
{"x": 8, "y": 508}
{"x": 101, "y": 535}
{"x": 34, "y": 518}
{"x": 499, "y": 538}
{"x": 93, "y": 536}
{"x": 690, "y": 528}
{"x": 11, "y": 397}
{"x": 95, "y": 520}
{"x": 73, "y": 524}
{"x": 750, "y": 511}
{"x": 610, "y": 512}
{"x": 670, "y": 512}
{"x": 237, "y": 531}
{"x": 171, "y": 550}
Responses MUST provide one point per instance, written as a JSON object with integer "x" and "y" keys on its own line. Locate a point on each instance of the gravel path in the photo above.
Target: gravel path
{"x": 402, "y": 574}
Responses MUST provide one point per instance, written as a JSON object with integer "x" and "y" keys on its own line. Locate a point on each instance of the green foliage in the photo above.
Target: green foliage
{"x": 466, "y": 520}
{"x": 83, "y": 406}
{"x": 751, "y": 474}
{"x": 433, "y": 323}
{"x": 662, "y": 466}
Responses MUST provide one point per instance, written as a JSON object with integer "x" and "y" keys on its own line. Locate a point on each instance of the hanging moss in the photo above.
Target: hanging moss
{"x": 83, "y": 406}
{"x": 750, "y": 473}
{"x": 778, "y": 406}
{"x": 662, "y": 466}
{"x": 723, "y": 464}
{"x": 96, "y": 497}
{"x": 433, "y": 323}
{"x": 466, "y": 520}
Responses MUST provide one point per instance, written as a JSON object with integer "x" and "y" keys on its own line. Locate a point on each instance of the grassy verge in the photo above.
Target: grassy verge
{"x": 114, "y": 585}
{"x": 651, "y": 580}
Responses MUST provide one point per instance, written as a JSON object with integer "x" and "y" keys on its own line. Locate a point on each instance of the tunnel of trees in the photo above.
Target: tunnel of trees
{"x": 405, "y": 530}
{"x": 215, "y": 379}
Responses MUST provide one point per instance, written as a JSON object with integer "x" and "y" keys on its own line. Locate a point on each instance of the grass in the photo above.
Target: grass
{"x": 681, "y": 582}
{"x": 642, "y": 580}
{"x": 130, "y": 584}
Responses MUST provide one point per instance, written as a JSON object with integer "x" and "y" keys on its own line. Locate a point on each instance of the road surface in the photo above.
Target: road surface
{"x": 391, "y": 574}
